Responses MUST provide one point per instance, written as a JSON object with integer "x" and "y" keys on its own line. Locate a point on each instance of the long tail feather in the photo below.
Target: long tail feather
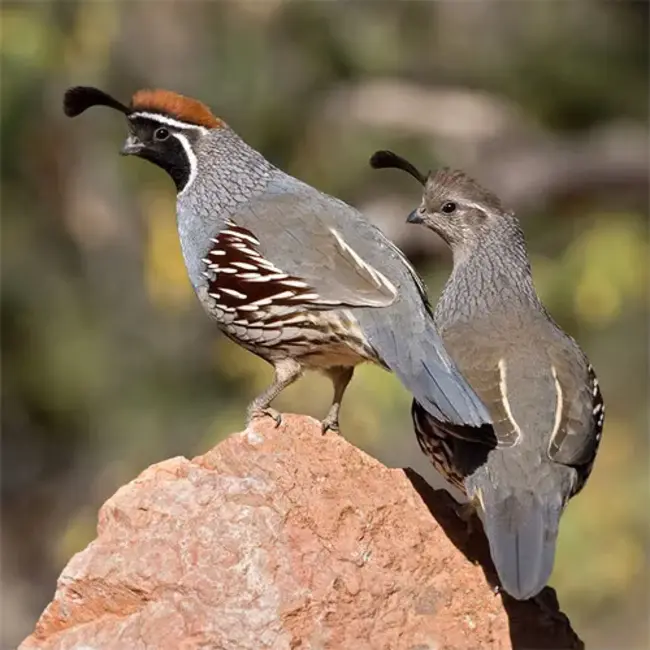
{"x": 419, "y": 359}
{"x": 522, "y": 532}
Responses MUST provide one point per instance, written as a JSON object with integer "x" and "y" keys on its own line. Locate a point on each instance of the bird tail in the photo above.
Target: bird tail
{"x": 416, "y": 354}
{"x": 522, "y": 529}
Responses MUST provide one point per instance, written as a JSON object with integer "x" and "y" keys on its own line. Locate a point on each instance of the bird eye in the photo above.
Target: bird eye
{"x": 161, "y": 134}
{"x": 448, "y": 208}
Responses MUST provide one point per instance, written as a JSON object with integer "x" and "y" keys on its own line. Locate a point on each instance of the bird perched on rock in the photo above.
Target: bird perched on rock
{"x": 295, "y": 276}
{"x": 542, "y": 393}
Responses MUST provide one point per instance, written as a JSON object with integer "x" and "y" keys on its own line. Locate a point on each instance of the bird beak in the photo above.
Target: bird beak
{"x": 132, "y": 146}
{"x": 414, "y": 217}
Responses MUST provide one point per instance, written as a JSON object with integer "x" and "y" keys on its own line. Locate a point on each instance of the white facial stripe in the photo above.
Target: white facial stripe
{"x": 168, "y": 121}
{"x": 191, "y": 159}
{"x": 473, "y": 205}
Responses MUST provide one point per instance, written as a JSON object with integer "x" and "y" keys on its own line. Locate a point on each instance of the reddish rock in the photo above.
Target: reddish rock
{"x": 285, "y": 539}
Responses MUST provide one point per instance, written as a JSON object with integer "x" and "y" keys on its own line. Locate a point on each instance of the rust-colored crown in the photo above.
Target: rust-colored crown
{"x": 174, "y": 105}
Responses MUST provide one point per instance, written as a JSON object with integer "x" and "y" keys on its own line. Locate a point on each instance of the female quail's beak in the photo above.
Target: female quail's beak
{"x": 414, "y": 217}
{"x": 132, "y": 146}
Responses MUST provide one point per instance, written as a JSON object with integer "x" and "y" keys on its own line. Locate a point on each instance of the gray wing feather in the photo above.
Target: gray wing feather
{"x": 298, "y": 223}
{"x": 300, "y": 244}
{"x": 576, "y": 441}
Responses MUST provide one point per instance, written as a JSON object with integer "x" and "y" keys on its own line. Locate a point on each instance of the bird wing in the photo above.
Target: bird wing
{"x": 504, "y": 383}
{"x": 580, "y": 408}
{"x": 478, "y": 360}
{"x": 296, "y": 239}
{"x": 325, "y": 255}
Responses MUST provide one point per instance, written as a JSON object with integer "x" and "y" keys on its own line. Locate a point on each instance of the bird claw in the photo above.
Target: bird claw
{"x": 267, "y": 412}
{"x": 330, "y": 424}
{"x": 331, "y": 421}
{"x": 466, "y": 512}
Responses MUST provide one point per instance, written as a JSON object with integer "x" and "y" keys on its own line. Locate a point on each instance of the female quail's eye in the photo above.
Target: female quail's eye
{"x": 448, "y": 208}
{"x": 161, "y": 134}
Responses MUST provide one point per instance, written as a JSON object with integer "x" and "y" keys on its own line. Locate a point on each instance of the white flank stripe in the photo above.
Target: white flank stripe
{"x": 283, "y": 295}
{"x": 216, "y": 252}
{"x": 191, "y": 158}
{"x": 504, "y": 397}
{"x": 271, "y": 276}
{"x": 234, "y": 293}
{"x": 216, "y": 296}
{"x": 269, "y": 265}
{"x": 249, "y": 276}
{"x": 294, "y": 283}
{"x": 559, "y": 404}
{"x": 243, "y": 235}
{"x": 262, "y": 302}
{"x": 245, "y": 265}
{"x": 249, "y": 251}
{"x": 227, "y": 269}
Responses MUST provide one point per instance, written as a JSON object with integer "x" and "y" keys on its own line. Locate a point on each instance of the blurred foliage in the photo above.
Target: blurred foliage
{"x": 109, "y": 363}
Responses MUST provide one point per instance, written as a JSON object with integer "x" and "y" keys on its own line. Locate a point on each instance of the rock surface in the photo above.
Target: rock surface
{"x": 285, "y": 539}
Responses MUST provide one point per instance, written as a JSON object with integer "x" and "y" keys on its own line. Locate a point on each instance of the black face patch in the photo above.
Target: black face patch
{"x": 163, "y": 148}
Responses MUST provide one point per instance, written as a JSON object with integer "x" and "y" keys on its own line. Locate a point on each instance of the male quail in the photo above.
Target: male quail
{"x": 293, "y": 275}
{"x": 542, "y": 393}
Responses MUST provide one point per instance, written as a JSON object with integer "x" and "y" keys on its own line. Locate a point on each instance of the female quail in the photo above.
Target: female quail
{"x": 541, "y": 391}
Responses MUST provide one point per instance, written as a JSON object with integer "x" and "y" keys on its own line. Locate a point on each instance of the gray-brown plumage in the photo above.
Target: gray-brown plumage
{"x": 542, "y": 394}
{"x": 293, "y": 275}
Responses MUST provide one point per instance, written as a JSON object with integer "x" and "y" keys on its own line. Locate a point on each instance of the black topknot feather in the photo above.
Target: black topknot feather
{"x": 76, "y": 100}
{"x": 385, "y": 159}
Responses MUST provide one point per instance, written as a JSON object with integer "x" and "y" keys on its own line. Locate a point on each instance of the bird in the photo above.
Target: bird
{"x": 546, "y": 405}
{"x": 293, "y": 275}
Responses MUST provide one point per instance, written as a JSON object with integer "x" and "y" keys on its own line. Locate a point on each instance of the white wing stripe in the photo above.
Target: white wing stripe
{"x": 503, "y": 388}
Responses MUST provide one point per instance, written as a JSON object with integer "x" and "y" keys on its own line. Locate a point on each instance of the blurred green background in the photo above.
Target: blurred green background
{"x": 109, "y": 364}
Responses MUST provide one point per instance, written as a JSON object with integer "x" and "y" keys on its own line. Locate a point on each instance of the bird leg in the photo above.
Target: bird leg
{"x": 466, "y": 512}
{"x": 286, "y": 372}
{"x": 340, "y": 376}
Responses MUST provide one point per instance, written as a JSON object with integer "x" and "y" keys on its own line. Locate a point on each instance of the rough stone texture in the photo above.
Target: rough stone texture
{"x": 285, "y": 539}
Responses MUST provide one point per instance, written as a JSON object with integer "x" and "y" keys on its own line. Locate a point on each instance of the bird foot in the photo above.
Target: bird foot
{"x": 331, "y": 421}
{"x": 330, "y": 424}
{"x": 254, "y": 414}
{"x": 466, "y": 513}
